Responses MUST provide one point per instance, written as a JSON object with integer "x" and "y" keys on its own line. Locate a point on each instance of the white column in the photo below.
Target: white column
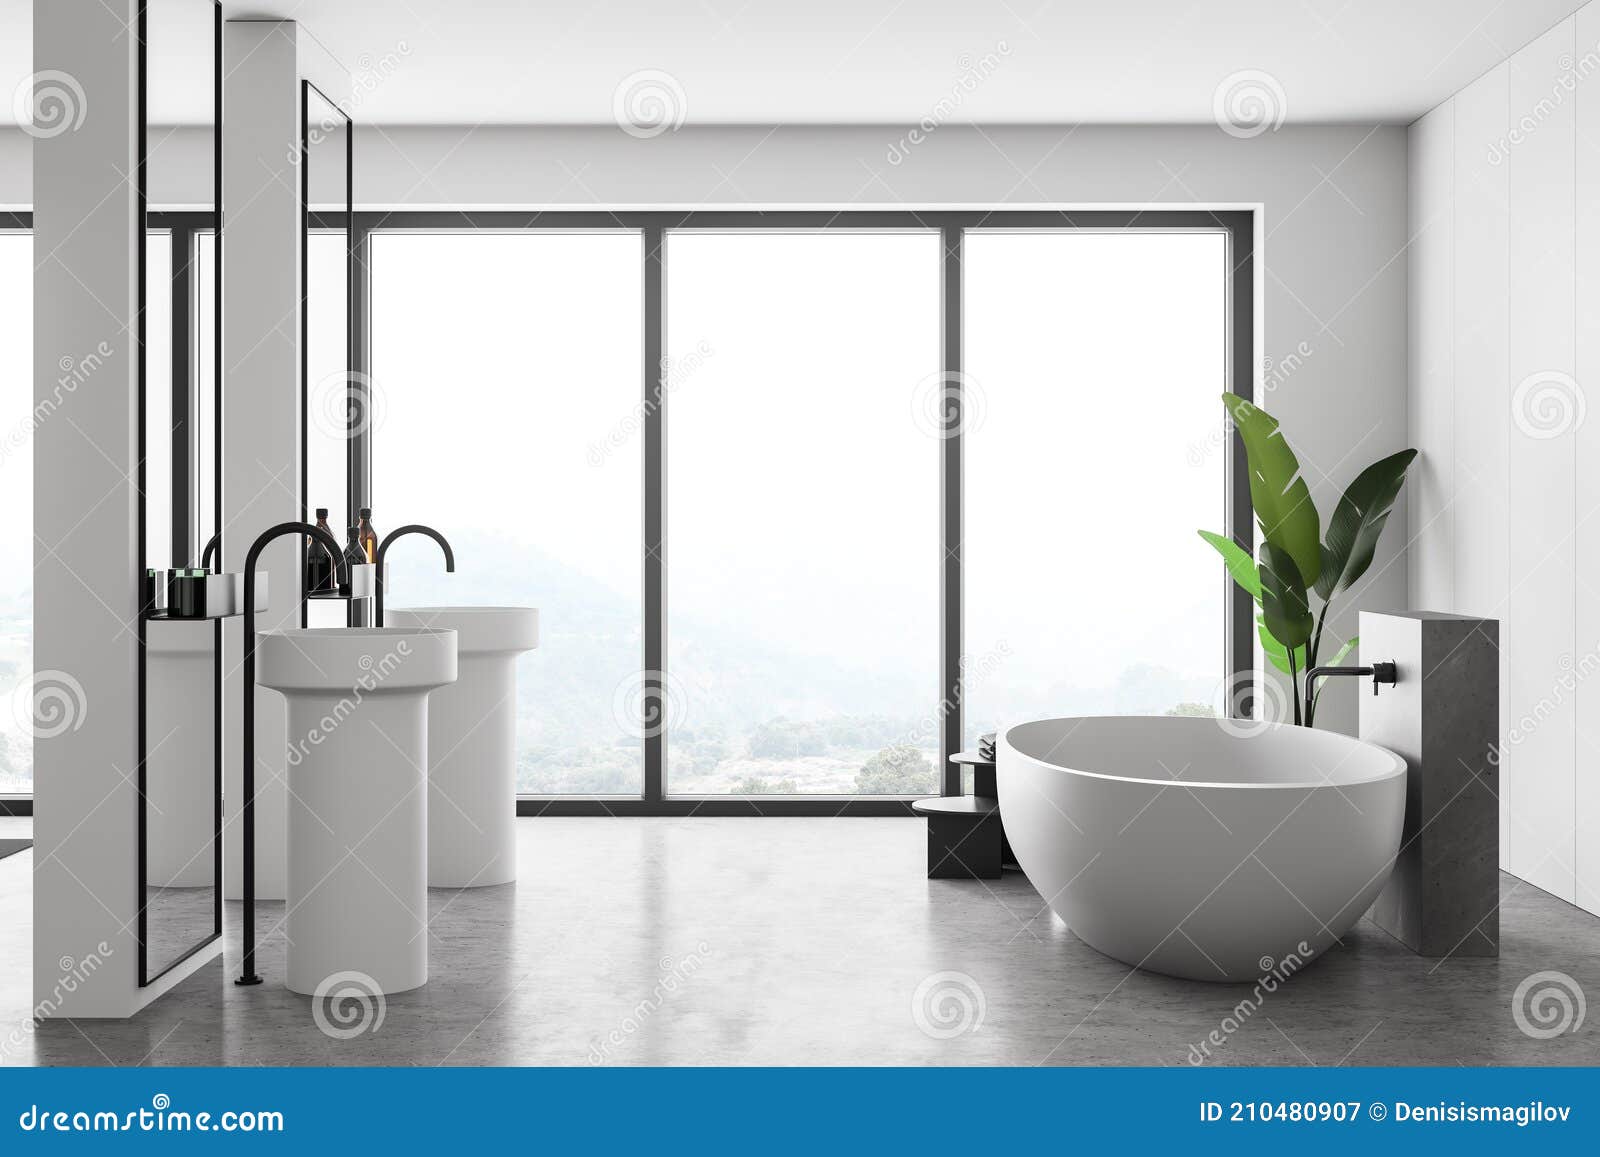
{"x": 263, "y": 62}
{"x": 261, "y": 397}
{"x": 85, "y": 960}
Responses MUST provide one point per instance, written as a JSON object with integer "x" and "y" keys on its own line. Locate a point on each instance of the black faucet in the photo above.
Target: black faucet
{"x": 248, "y": 717}
{"x": 377, "y": 578}
{"x": 1382, "y": 672}
{"x": 211, "y": 548}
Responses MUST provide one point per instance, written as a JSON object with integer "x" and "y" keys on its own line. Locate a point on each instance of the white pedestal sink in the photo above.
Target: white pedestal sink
{"x": 472, "y": 744}
{"x": 357, "y": 897}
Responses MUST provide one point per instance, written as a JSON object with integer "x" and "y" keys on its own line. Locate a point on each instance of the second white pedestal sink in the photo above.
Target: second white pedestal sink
{"x": 357, "y": 888}
{"x": 472, "y": 744}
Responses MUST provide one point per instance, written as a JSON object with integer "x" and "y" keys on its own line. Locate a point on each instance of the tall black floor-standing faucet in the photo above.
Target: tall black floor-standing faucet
{"x": 247, "y": 972}
{"x": 383, "y": 549}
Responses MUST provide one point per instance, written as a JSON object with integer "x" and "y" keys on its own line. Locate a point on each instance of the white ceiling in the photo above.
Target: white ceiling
{"x": 889, "y": 61}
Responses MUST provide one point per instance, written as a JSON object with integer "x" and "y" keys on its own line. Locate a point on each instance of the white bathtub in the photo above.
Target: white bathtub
{"x": 1197, "y": 847}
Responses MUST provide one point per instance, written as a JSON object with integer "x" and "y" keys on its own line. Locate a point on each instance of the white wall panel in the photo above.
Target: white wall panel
{"x": 1431, "y": 394}
{"x": 1539, "y": 751}
{"x": 1482, "y": 390}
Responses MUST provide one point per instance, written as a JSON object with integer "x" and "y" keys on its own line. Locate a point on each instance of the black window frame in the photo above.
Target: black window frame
{"x": 1238, "y": 229}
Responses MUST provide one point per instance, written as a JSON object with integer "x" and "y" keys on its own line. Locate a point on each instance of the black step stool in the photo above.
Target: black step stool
{"x": 966, "y": 840}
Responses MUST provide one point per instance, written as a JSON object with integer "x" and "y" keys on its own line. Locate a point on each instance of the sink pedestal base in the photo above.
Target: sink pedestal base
{"x": 472, "y": 743}
{"x": 472, "y": 775}
{"x": 358, "y": 829}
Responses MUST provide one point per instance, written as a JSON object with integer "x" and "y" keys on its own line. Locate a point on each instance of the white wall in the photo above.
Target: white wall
{"x": 1505, "y": 288}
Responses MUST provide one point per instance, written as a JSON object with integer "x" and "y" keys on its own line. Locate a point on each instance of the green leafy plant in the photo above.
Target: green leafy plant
{"x": 1296, "y": 559}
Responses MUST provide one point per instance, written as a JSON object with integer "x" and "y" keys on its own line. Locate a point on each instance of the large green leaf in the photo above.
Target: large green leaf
{"x": 1277, "y": 654}
{"x": 1284, "y": 605}
{"x": 1240, "y": 565}
{"x": 1358, "y": 521}
{"x": 1279, "y": 494}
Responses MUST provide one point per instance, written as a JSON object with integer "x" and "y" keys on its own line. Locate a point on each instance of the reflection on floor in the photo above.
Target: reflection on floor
{"x": 803, "y": 941}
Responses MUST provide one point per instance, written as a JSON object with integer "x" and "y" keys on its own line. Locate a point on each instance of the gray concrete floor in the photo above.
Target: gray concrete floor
{"x": 805, "y": 941}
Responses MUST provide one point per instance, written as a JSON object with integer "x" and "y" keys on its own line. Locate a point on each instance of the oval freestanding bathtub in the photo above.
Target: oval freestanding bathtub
{"x": 1202, "y": 848}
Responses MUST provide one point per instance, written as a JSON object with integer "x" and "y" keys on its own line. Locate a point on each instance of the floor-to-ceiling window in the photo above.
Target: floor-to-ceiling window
{"x": 327, "y": 418}
{"x": 1094, "y": 451}
{"x": 505, "y": 375}
{"x": 802, "y": 513}
{"x": 204, "y": 429}
{"x": 327, "y": 377}
{"x": 159, "y": 414}
{"x": 915, "y": 475}
{"x": 16, "y": 484}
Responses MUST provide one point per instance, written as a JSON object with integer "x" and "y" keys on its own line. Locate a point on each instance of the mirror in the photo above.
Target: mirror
{"x": 180, "y": 401}
{"x": 326, "y": 380}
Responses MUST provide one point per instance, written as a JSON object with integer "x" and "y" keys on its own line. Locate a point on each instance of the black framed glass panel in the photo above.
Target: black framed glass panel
{"x": 179, "y": 741}
{"x": 329, "y": 389}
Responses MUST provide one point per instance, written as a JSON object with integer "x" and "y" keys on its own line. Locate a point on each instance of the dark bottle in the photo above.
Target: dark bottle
{"x": 369, "y": 537}
{"x": 321, "y": 570}
{"x": 354, "y": 556}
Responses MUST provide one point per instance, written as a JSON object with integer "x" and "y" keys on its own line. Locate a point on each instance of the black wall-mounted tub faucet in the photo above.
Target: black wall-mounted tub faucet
{"x": 1383, "y": 672}
{"x": 383, "y": 549}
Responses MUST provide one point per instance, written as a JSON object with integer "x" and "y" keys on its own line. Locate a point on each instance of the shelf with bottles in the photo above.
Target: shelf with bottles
{"x": 193, "y": 594}
{"x": 363, "y": 583}
{"x": 357, "y": 558}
